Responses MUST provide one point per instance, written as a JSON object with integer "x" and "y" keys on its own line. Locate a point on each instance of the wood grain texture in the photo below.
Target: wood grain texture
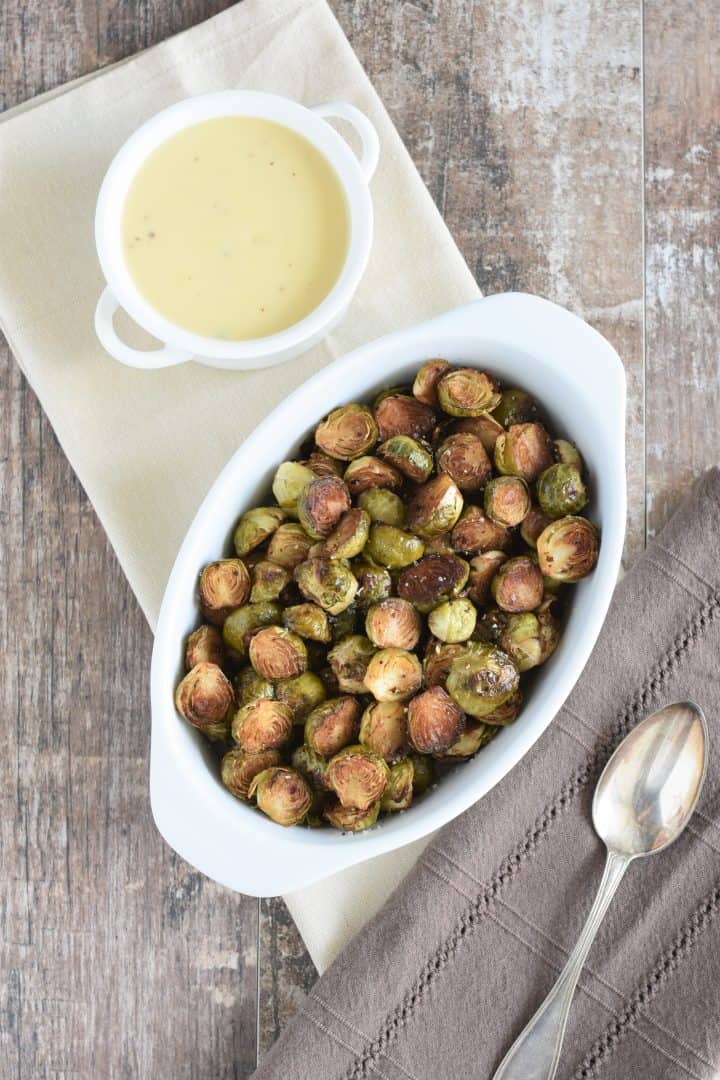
{"x": 682, "y": 168}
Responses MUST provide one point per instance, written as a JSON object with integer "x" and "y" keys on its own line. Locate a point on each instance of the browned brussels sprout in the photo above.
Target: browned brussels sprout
{"x": 433, "y": 579}
{"x": 485, "y": 427}
{"x": 438, "y": 660}
{"x": 269, "y": 581}
{"x": 350, "y": 820}
{"x": 383, "y": 506}
{"x": 516, "y": 407}
{"x": 525, "y": 450}
{"x": 393, "y": 623}
{"x": 393, "y": 548}
{"x": 464, "y": 458}
{"x": 383, "y": 729}
{"x": 241, "y": 624}
{"x": 332, "y": 725}
{"x": 476, "y": 532}
{"x": 238, "y": 769}
{"x": 506, "y": 713}
{"x": 426, "y": 380}
{"x": 483, "y": 569}
{"x": 529, "y": 638}
{"x": 398, "y": 792}
{"x": 532, "y": 525}
{"x": 401, "y": 414}
{"x": 357, "y": 776}
{"x": 249, "y": 686}
{"x": 367, "y": 473}
{"x": 482, "y": 679}
{"x": 434, "y": 721}
{"x": 568, "y": 454}
{"x": 440, "y": 544}
{"x": 277, "y": 653}
{"x": 256, "y": 526}
{"x": 204, "y": 698}
{"x": 467, "y": 392}
{"x": 507, "y": 500}
{"x": 518, "y": 585}
{"x": 309, "y": 621}
{"x": 223, "y": 586}
{"x": 393, "y": 675}
{"x": 328, "y": 583}
{"x": 408, "y": 457}
{"x": 475, "y": 736}
{"x": 204, "y": 645}
{"x": 568, "y": 549}
{"x": 374, "y": 582}
{"x": 347, "y": 433}
{"x": 349, "y": 536}
{"x": 262, "y": 725}
{"x": 289, "y": 546}
{"x": 282, "y": 794}
{"x": 303, "y": 694}
{"x": 453, "y": 621}
{"x": 560, "y": 491}
{"x": 290, "y": 480}
{"x": 323, "y": 465}
{"x": 310, "y": 765}
{"x": 435, "y": 507}
{"x": 349, "y": 661}
{"x": 321, "y": 505}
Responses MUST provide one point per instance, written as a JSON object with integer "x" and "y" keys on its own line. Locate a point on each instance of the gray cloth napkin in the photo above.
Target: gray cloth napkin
{"x": 442, "y": 980}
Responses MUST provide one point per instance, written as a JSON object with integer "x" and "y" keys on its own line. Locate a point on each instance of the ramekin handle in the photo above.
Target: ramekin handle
{"x": 166, "y": 356}
{"x": 343, "y": 110}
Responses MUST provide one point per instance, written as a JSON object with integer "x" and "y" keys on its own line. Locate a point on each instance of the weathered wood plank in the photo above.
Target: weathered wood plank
{"x": 682, "y": 178}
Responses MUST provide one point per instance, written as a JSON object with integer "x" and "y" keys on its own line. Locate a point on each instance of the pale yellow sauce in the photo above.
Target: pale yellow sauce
{"x": 235, "y": 228}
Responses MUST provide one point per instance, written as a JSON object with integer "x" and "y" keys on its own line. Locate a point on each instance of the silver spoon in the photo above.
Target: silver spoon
{"x": 643, "y": 801}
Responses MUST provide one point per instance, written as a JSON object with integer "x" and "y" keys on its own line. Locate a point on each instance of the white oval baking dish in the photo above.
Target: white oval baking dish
{"x": 526, "y": 341}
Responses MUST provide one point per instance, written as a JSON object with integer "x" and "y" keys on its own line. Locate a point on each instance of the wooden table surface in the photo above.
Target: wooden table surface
{"x": 573, "y": 149}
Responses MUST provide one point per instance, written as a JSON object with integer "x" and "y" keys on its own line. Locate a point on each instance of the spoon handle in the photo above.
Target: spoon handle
{"x": 535, "y": 1053}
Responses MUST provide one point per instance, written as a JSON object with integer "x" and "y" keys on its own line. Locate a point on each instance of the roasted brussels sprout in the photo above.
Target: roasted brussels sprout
{"x": 453, "y": 620}
{"x": 238, "y": 769}
{"x": 309, "y": 621}
{"x": 568, "y": 454}
{"x": 368, "y": 473}
{"x": 440, "y": 544}
{"x": 568, "y": 549}
{"x": 347, "y": 433}
{"x": 464, "y": 458}
{"x": 327, "y": 582}
{"x": 323, "y": 465}
{"x": 249, "y": 686}
{"x": 485, "y": 427}
{"x": 344, "y": 623}
{"x": 282, "y": 794}
{"x": 289, "y": 546}
{"x": 529, "y": 638}
{"x": 357, "y": 776}
{"x": 204, "y": 698}
{"x": 483, "y": 569}
{"x": 423, "y": 774}
{"x": 256, "y": 526}
{"x": 524, "y": 450}
{"x": 321, "y": 505}
{"x": 289, "y": 482}
{"x": 277, "y": 653}
{"x": 391, "y": 391}
{"x": 401, "y": 414}
{"x": 332, "y": 725}
{"x": 349, "y": 661}
{"x": 393, "y": 548}
{"x": 204, "y": 645}
{"x": 303, "y": 694}
{"x": 433, "y": 579}
{"x": 374, "y": 582}
{"x": 393, "y": 675}
{"x": 426, "y": 380}
{"x": 269, "y": 581}
{"x": 532, "y": 525}
{"x": 349, "y": 536}
{"x": 399, "y": 788}
{"x": 560, "y": 491}
{"x": 516, "y": 407}
{"x": 475, "y": 736}
{"x": 408, "y": 456}
{"x": 351, "y": 820}
{"x": 393, "y": 624}
{"x": 434, "y": 721}
{"x": 518, "y": 585}
{"x": 435, "y": 507}
{"x": 383, "y": 729}
{"x": 506, "y": 713}
{"x": 438, "y": 660}
{"x": 244, "y": 621}
{"x": 383, "y": 506}
{"x": 310, "y": 765}
{"x": 223, "y": 586}
{"x": 482, "y": 678}
{"x": 467, "y": 392}
{"x": 262, "y": 725}
{"x": 476, "y": 532}
{"x": 507, "y": 500}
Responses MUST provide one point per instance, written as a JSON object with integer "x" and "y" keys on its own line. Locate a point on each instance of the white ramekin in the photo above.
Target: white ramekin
{"x": 525, "y": 341}
{"x": 180, "y": 345}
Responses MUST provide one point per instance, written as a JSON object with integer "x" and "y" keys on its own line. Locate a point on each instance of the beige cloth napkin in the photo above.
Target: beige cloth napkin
{"x": 147, "y": 445}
